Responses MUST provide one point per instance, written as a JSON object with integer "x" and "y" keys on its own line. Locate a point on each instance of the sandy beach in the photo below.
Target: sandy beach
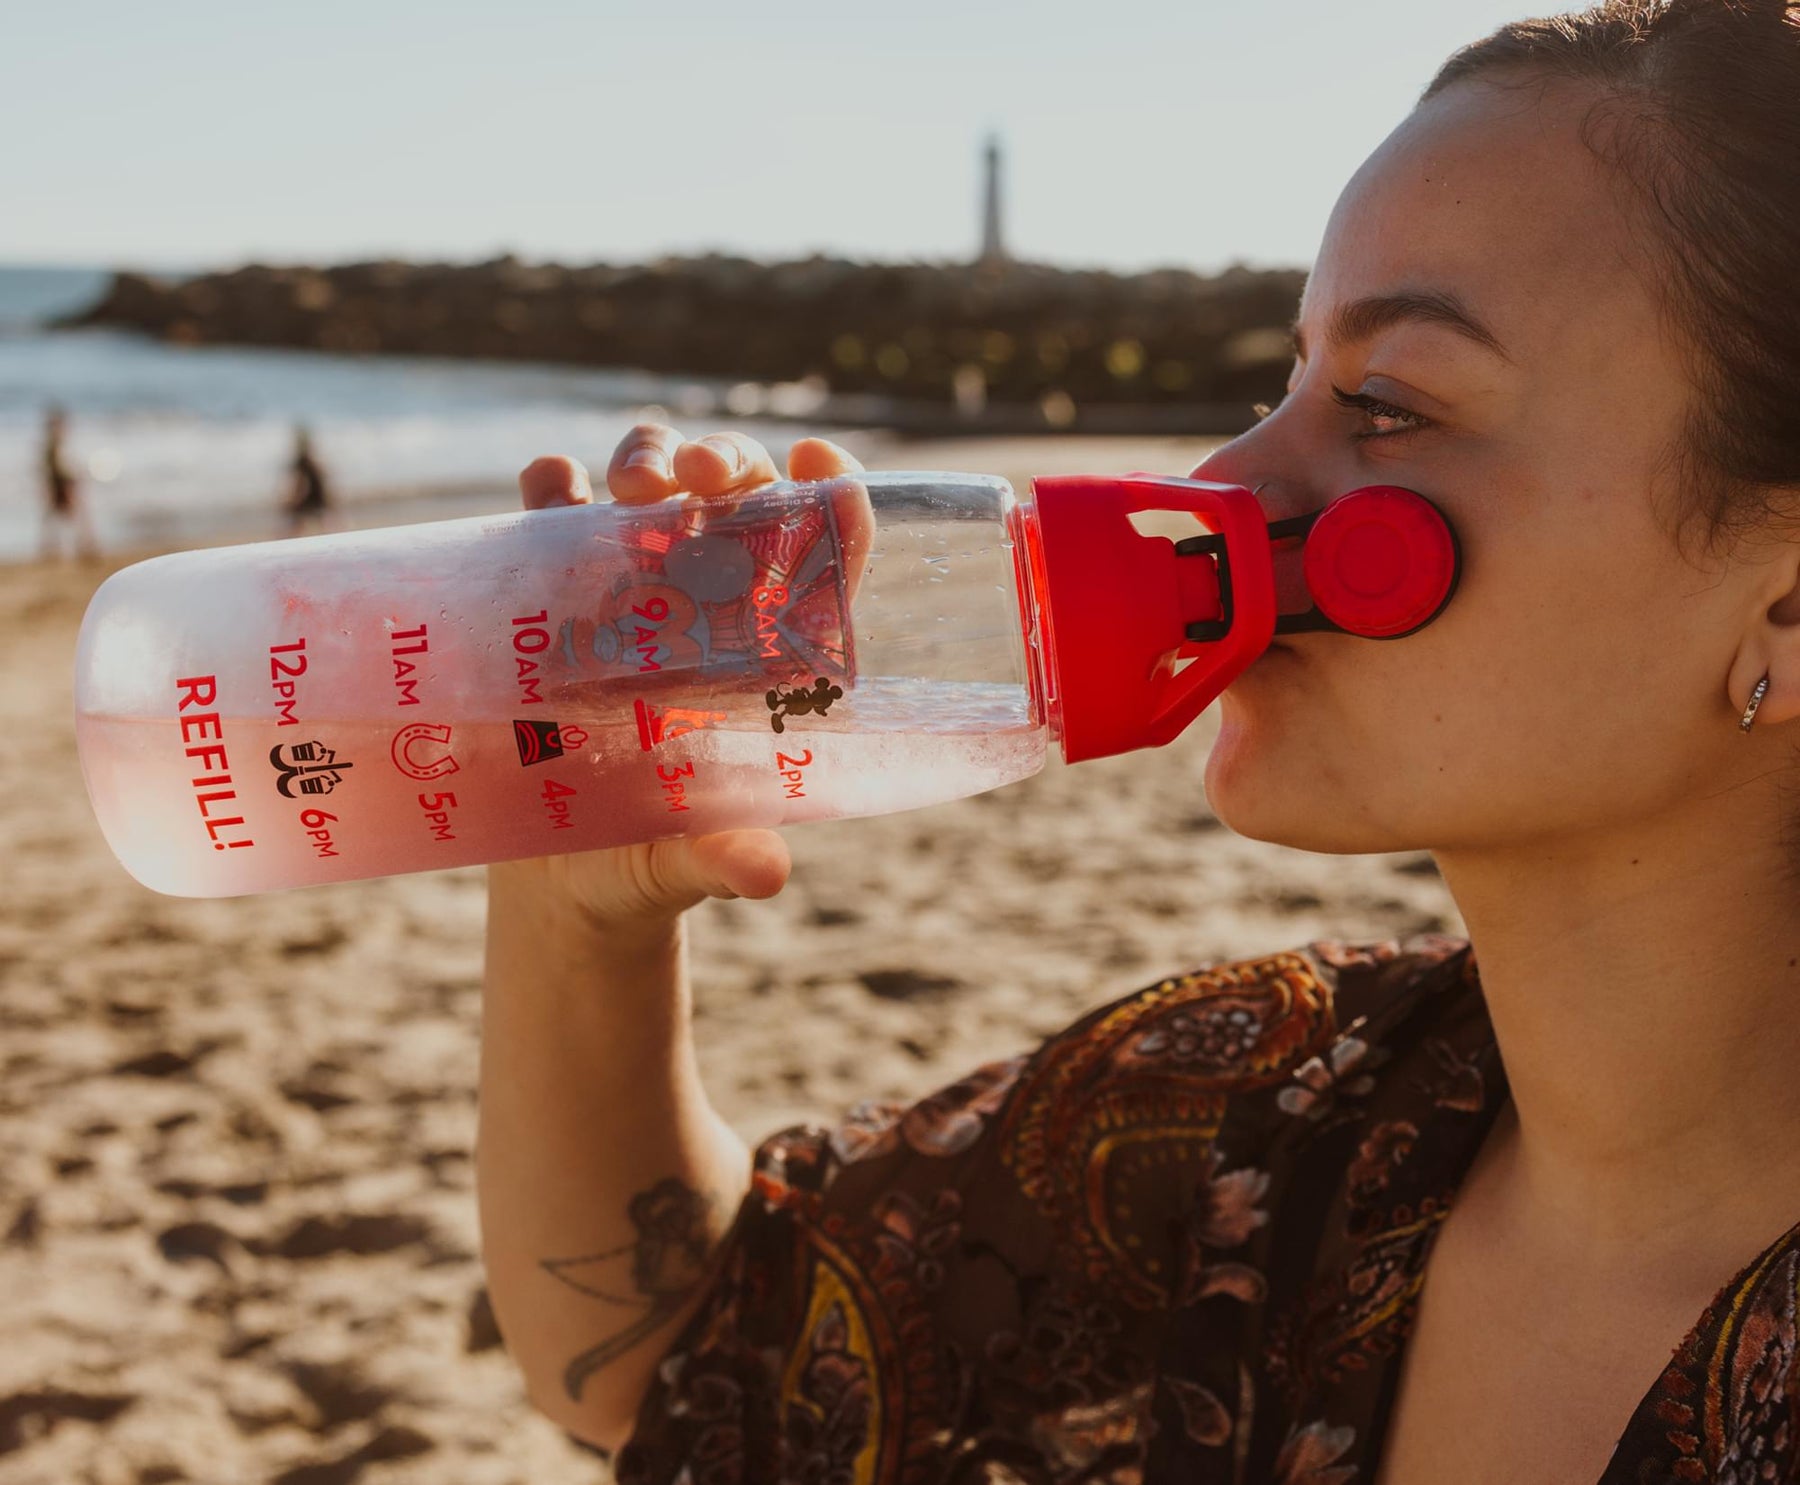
{"x": 237, "y": 1221}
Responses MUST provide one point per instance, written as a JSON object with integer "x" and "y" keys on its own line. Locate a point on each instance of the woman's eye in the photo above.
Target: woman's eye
{"x": 1385, "y": 420}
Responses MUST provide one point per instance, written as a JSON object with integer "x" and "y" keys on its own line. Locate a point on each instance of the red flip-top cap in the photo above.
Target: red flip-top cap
{"x": 1380, "y": 562}
{"x": 1116, "y": 605}
{"x": 1121, "y": 611}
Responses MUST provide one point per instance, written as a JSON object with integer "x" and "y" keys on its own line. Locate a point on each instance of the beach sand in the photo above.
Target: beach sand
{"x": 237, "y": 1222}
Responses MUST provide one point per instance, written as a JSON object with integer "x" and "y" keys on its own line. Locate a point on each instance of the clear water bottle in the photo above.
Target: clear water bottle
{"x": 370, "y": 703}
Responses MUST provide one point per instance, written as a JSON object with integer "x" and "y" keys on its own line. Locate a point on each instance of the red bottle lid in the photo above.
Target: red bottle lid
{"x": 1139, "y": 634}
{"x": 1116, "y": 606}
{"x": 1380, "y": 562}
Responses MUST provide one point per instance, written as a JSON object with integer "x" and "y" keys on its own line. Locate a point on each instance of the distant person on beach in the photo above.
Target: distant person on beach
{"x": 64, "y": 508}
{"x": 309, "y": 502}
{"x": 1517, "y": 1206}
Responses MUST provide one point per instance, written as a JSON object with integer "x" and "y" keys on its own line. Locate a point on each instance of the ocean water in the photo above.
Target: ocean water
{"x": 185, "y": 445}
{"x": 29, "y": 296}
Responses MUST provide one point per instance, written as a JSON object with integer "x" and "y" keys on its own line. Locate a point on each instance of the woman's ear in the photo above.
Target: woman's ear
{"x": 1772, "y": 647}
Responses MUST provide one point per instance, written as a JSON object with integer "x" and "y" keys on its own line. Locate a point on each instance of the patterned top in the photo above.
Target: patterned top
{"x": 1182, "y": 1241}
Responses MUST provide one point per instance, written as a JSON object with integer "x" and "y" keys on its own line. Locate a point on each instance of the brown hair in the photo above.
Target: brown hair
{"x": 1699, "y": 107}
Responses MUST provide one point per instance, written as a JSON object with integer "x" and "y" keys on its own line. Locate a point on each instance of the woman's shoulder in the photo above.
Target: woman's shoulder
{"x": 1239, "y": 1024}
{"x": 1198, "y": 1037}
{"x": 1173, "y": 1062}
{"x": 1167, "y": 1065}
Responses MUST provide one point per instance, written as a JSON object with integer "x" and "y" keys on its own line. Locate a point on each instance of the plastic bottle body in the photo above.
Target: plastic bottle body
{"x": 364, "y": 704}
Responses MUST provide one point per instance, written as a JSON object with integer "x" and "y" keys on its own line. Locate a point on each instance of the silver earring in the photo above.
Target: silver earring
{"x": 1756, "y": 700}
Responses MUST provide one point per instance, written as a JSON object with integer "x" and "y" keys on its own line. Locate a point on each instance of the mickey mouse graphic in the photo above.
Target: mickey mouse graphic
{"x": 786, "y": 702}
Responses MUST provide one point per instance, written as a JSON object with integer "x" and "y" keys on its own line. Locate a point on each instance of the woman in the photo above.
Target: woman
{"x": 1365, "y": 1213}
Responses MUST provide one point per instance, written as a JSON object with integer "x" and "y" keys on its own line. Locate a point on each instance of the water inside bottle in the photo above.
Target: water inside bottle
{"x": 496, "y": 789}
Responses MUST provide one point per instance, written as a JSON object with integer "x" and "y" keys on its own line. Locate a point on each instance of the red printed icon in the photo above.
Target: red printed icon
{"x": 658, "y": 724}
{"x": 414, "y": 746}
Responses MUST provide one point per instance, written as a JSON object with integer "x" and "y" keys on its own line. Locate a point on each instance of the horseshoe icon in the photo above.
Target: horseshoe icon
{"x": 402, "y": 751}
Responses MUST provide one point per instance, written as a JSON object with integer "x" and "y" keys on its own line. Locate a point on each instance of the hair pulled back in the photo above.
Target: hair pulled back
{"x": 1699, "y": 107}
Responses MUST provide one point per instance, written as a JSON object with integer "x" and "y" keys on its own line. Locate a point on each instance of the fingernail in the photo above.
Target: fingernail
{"x": 648, "y": 458}
{"x": 727, "y": 450}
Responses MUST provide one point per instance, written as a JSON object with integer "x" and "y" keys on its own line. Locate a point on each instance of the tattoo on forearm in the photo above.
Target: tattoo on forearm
{"x": 668, "y": 1261}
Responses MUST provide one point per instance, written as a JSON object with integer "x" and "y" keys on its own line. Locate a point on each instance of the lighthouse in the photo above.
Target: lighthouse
{"x": 993, "y": 247}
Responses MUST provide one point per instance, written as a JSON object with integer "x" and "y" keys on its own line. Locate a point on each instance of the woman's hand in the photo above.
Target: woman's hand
{"x": 640, "y": 890}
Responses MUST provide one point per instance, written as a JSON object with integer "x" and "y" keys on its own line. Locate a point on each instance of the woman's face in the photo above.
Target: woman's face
{"x": 1487, "y": 285}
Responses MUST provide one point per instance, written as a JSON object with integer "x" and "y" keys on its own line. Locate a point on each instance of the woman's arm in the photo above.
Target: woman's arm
{"x": 605, "y": 1177}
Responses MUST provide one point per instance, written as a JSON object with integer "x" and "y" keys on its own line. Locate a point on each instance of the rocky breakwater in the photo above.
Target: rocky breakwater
{"x": 1009, "y": 344}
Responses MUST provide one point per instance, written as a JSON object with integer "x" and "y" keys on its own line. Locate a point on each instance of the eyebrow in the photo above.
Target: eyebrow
{"x": 1362, "y": 319}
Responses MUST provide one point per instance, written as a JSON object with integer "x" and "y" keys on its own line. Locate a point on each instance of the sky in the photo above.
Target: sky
{"x": 1137, "y": 133}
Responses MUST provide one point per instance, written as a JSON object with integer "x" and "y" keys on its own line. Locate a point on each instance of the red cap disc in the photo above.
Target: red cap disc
{"x": 1380, "y": 562}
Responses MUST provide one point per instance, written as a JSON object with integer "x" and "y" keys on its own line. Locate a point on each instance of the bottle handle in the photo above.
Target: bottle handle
{"x": 1239, "y": 543}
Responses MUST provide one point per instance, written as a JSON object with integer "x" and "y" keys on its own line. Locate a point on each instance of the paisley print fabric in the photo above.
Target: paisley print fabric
{"x": 1182, "y": 1241}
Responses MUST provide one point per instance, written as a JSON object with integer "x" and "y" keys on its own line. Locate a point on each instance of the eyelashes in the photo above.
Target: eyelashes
{"x": 1377, "y": 412}
{"x": 1398, "y": 420}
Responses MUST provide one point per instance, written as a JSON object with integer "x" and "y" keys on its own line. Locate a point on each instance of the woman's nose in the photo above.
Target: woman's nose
{"x": 1282, "y": 459}
{"x": 1222, "y": 465}
{"x": 1278, "y": 495}
{"x": 1252, "y": 460}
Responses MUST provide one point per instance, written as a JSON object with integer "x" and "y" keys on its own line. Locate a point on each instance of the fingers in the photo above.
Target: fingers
{"x": 653, "y": 462}
{"x": 820, "y": 459}
{"x": 670, "y": 876}
{"x": 855, "y": 515}
{"x": 722, "y": 464}
{"x": 643, "y": 465}
{"x": 554, "y": 480}
{"x": 743, "y": 863}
